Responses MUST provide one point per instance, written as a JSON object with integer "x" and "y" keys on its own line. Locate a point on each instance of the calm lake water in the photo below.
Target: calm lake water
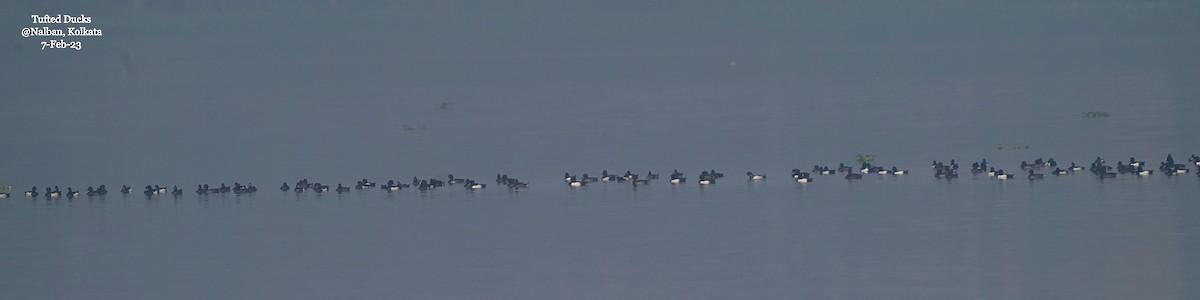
{"x": 183, "y": 95}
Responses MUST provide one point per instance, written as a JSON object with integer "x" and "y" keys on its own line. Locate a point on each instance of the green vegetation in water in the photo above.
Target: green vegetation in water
{"x": 1095, "y": 114}
{"x": 864, "y": 158}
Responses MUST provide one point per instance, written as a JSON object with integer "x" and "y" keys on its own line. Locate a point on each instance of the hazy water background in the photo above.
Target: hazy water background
{"x": 265, "y": 92}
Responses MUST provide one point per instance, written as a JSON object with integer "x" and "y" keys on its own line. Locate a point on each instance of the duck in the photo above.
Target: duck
{"x": 843, "y": 168}
{"x": 363, "y": 184}
{"x": 505, "y": 180}
{"x": 605, "y": 177}
{"x": 1026, "y": 165}
{"x": 393, "y": 186}
{"x": 91, "y": 192}
{"x": 208, "y": 190}
{"x": 244, "y": 189}
{"x": 1001, "y": 175}
{"x": 1075, "y": 168}
{"x": 706, "y": 181}
{"x": 1035, "y": 176}
{"x": 572, "y": 182}
{"x": 176, "y": 191}
{"x": 1143, "y": 172}
{"x": 628, "y": 175}
{"x": 318, "y": 188}
{"x": 4, "y": 195}
{"x": 32, "y": 192}
{"x": 802, "y": 177}
{"x": 1135, "y": 163}
{"x": 53, "y": 194}
{"x": 342, "y": 189}
{"x": 284, "y": 187}
{"x": 472, "y": 185}
{"x": 651, "y": 176}
{"x": 453, "y": 180}
{"x": 567, "y": 177}
{"x": 436, "y": 183}
{"x": 71, "y": 194}
{"x": 796, "y": 174}
{"x": 677, "y": 178}
{"x": 1060, "y": 171}
{"x": 755, "y": 176}
{"x": 896, "y": 171}
{"x": 638, "y": 181}
{"x": 1122, "y": 168}
{"x": 515, "y": 184}
{"x": 852, "y": 176}
{"x": 991, "y": 172}
{"x": 589, "y": 179}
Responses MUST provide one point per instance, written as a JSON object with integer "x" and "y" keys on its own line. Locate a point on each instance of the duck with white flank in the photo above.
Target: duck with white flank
{"x": 677, "y": 178}
{"x": 574, "y": 182}
{"x": 801, "y": 177}
{"x": 1074, "y": 168}
{"x": 472, "y": 185}
{"x": 706, "y": 179}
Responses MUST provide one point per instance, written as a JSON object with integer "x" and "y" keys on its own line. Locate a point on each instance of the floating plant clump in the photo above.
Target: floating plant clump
{"x": 864, "y": 158}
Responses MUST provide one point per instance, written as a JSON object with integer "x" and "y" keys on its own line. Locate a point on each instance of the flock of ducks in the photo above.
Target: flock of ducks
{"x": 948, "y": 171}
{"x": 396, "y": 185}
{"x": 1097, "y": 167}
